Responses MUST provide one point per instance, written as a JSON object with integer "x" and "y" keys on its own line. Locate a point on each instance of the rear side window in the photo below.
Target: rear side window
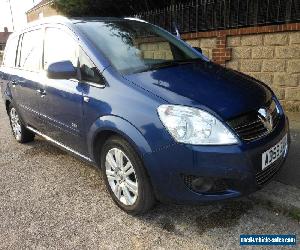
{"x": 59, "y": 46}
{"x": 31, "y": 50}
{"x": 11, "y": 52}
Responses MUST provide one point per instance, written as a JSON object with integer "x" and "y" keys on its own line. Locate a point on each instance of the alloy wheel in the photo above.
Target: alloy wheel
{"x": 15, "y": 123}
{"x": 121, "y": 176}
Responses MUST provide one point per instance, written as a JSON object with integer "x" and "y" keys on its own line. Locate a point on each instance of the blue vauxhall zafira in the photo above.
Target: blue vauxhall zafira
{"x": 161, "y": 121}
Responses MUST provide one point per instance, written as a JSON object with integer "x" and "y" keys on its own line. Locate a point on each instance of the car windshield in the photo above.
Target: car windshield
{"x": 134, "y": 46}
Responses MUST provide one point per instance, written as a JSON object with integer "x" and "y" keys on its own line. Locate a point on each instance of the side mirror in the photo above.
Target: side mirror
{"x": 198, "y": 49}
{"x": 61, "y": 70}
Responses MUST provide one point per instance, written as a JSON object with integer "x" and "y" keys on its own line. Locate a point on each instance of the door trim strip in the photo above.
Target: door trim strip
{"x": 58, "y": 143}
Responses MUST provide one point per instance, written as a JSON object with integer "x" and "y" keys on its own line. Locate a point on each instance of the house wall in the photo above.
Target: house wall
{"x": 1, "y": 57}
{"x": 268, "y": 53}
{"x": 3, "y": 39}
{"x": 46, "y": 10}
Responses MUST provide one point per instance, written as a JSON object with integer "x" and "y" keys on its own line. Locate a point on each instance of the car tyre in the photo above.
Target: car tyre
{"x": 20, "y": 132}
{"x": 125, "y": 176}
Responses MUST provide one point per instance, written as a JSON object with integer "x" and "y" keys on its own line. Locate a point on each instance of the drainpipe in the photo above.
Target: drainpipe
{"x": 12, "y": 17}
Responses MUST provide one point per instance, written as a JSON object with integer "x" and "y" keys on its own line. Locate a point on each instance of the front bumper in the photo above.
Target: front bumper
{"x": 239, "y": 166}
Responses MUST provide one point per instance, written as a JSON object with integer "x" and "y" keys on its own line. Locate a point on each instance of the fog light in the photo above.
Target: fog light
{"x": 205, "y": 185}
{"x": 202, "y": 185}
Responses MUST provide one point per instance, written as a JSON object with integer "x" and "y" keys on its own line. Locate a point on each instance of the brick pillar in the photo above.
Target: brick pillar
{"x": 221, "y": 54}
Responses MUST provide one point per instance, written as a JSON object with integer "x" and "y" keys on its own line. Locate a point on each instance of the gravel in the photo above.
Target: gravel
{"x": 50, "y": 200}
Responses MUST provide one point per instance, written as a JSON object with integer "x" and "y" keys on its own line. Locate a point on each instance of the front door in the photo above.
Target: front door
{"x": 61, "y": 100}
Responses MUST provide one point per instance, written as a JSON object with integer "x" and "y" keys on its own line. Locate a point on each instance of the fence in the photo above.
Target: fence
{"x": 202, "y": 15}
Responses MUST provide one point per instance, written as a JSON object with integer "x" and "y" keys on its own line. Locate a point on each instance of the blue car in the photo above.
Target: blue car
{"x": 160, "y": 120}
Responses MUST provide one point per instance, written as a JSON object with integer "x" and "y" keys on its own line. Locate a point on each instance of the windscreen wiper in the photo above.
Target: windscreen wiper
{"x": 172, "y": 63}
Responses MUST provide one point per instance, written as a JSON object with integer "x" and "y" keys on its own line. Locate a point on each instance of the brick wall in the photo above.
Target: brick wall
{"x": 206, "y": 44}
{"x": 271, "y": 58}
{"x": 156, "y": 50}
{"x": 268, "y": 53}
{"x": 161, "y": 50}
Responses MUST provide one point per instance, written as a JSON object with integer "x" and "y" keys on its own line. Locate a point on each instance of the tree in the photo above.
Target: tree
{"x": 107, "y": 7}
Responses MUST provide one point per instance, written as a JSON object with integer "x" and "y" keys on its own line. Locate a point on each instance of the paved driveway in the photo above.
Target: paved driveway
{"x": 48, "y": 199}
{"x": 291, "y": 172}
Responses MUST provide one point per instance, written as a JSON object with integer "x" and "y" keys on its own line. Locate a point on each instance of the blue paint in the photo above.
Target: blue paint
{"x": 126, "y": 103}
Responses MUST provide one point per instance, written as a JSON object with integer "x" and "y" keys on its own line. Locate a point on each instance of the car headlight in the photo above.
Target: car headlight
{"x": 194, "y": 126}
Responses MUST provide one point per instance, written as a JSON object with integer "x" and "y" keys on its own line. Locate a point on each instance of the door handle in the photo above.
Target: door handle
{"x": 13, "y": 83}
{"x": 86, "y": 99}
{"x": 42, "y": 92}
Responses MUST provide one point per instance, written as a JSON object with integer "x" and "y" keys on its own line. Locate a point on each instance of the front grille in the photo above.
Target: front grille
{"x": 250, "y": 127}
{"x": 266, "y": 175}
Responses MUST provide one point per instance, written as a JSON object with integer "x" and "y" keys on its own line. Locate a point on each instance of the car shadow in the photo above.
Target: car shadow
{"x": 179, "y": 219}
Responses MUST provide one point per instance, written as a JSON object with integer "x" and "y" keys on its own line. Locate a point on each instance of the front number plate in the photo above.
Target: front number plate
{"x": 274, "y": 153}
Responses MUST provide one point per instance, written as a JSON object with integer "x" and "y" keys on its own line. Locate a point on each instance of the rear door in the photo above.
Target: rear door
{"x": 28, "y": 75}
{"x": 61, "y": 100}
{"x": 8, "y": 72}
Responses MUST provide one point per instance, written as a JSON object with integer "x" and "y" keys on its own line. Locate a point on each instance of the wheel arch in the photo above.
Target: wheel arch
{"x": 110, "y": 125}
